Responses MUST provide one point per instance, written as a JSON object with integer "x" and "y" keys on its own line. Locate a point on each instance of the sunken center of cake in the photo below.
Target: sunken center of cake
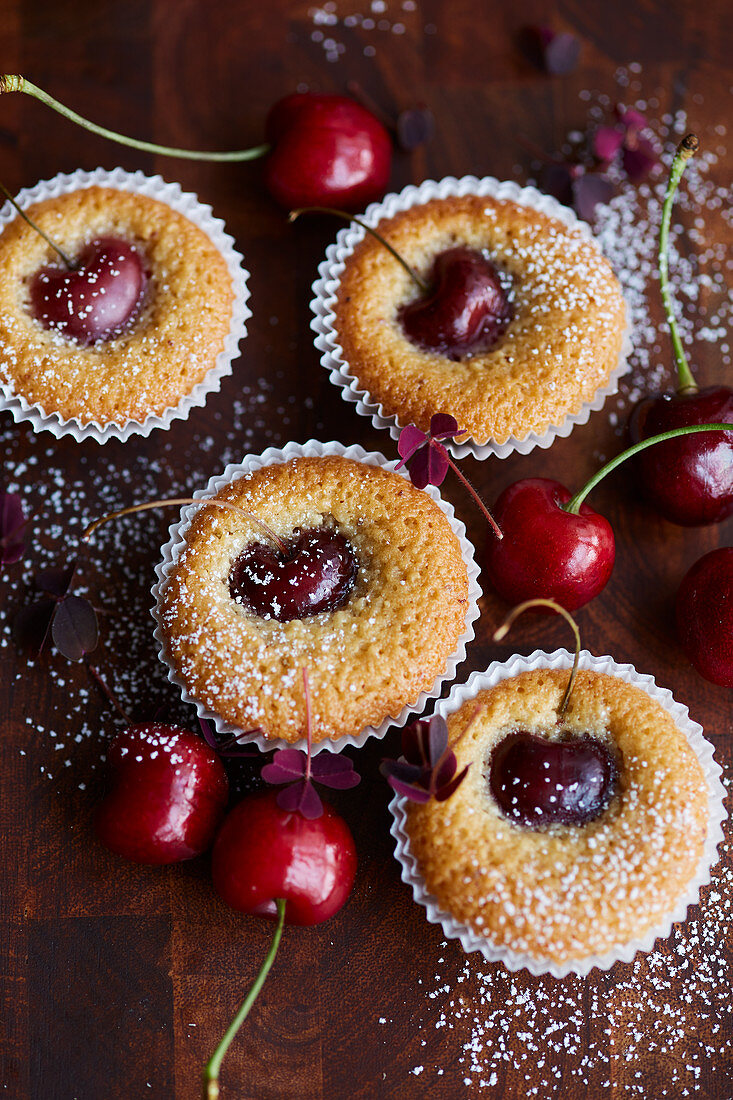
{"x": 313, "y": 571}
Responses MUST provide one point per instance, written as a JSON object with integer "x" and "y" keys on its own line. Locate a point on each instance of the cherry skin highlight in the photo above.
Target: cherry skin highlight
{"x": 318, "y": 574}
{"x": 168, "y": 795}
{"x": 263, "y": 853}
{"x": 538, "y": 782}
{"x": 95, "y": 301}
{"x": 546, "y": 551}
{"x": 688, "y": 480}
{"x": 466, "y": 311}
{"x": 328, "y": 150}
{"x": 704, "y": 612}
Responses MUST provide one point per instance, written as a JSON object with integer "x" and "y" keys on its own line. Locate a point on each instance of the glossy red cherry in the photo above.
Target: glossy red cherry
{"x": 169, "y": 792}
{"x": 263, "y": 853}
{"x": 327, "y": 150}
{"x": 547, "y": 551}
{"x": 317, "y": 574}
{"x": 705, "y": 616}
{"x": 538, "y": 782}
{"x": 96, "y": 300}
{"x": 688, "y": 480}
{"x": 467, "y": 309}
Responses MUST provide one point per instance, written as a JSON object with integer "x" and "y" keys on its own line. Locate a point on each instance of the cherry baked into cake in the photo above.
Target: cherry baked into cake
{"x": 570, "y": 838}
{"x": 520, "y": 320}
{"x": 339, "y": 567}
{"x": 130, "y": 326}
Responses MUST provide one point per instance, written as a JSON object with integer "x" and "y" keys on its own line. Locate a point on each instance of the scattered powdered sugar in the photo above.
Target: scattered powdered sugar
{"x": 591, "y": 1030}
{"x": 334, "y": 32}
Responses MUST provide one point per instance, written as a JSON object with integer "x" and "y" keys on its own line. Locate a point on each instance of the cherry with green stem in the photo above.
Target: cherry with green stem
{"x": 282, "y": 859}
{"x": 319, "y": 148}
{"x": 554, "y": 544}
{"x": 539, "y": 780}
{"x": 689, "y": 481}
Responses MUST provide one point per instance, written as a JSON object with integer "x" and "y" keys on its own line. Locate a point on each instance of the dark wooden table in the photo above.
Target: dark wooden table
{"x": 117, "y": 980}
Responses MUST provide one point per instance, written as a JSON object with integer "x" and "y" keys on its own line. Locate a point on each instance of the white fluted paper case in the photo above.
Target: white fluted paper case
{"x": 624, "y": 952}
{"x": 202, "y": 216}
{"x": 171, "y": 552}
{"x": 331, "y": 269}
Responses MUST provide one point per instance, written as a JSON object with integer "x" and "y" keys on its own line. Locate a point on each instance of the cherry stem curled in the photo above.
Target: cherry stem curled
{"x": 685, "y": 150}
{"x": 573, "y": 505}
{"x": 72, "y": 266}
{"x": 420, "y": 282}
{"x": 178, "y": 502}
{"x": 503, "y": 630}
{"x": 213, "y": 1066}
{"x": 20, "y": 84}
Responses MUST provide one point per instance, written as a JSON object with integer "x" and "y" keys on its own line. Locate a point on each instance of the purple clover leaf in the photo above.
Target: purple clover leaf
{"x": 292, "y": 769}
{"x": 12, "y": 528}
{"x": 427, "y": 768}
{"x": 557, "y": 53}
{"x": 424, "y": 454}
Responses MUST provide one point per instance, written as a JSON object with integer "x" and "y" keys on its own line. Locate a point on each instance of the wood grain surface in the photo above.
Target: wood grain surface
{"x": 117, "y": 980}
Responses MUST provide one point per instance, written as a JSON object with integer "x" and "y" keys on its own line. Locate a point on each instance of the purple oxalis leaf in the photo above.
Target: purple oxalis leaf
{"x": 444, "y": 771}
{"x": 407, "y": 790}
{"x": 405, "y": 772}
{"x": 443, "y": 426}
{"x": 606, "y": 142}
{"x": 630, "y": 118}
{"x": 12, "y": 526}
{"x": 411, "y": 440}
{"x": 55, "y": 581}
{"x": 562, "y": 54}
{"x": 32, "y": 624}
{"x": 437, "y": 739}
{"x": 588, "y": 192}
{"x": 302, "y": 798}
{"x": 415, "y": 127}
{"x": 287, "y": 766}
{"x": 446, "y": 790}
{"x": 639, "y": 160}
{"x": 334, "y": 771}
{"x": 74, "y": 627}
{"x": 437, "y": 463}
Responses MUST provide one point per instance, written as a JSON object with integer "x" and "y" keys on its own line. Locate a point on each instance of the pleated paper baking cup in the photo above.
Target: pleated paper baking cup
{"x": 172, "y": 550}
{"x": 469, "y": 938}
{"x": 325, "y": 289}
{"x": 201, "y": 215}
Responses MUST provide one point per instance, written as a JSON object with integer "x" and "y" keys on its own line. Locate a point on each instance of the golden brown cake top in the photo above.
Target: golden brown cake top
{"x": 169, "y": 346}
{"x": 566, "y": 892}
{"x": 561, "y": 346}
{"x": 366, "y": 660}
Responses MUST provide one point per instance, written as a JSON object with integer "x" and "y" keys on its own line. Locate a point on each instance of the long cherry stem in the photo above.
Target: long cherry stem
{"x": 178, "y": 502}
{"x": 573, "y": 505}
{"x": 685, "y": 150}
{"x": 213, "y": 1066}
{"x": 462, "y": 477}
{"x": 69, "y": 262}
{"x": 20, "y": 84}
{"x": 422, "y": 285}
{"x": 503, "y": 630}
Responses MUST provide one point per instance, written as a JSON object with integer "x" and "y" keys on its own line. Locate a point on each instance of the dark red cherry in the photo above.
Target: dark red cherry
{"x": 263, "y": 853}
{"x": 168, "y": 795}
{"x": 689, "y": 480}
{"x": 539, "y": 782}
{"x": 327, "y": 150}
{"x": 546, "y": 551}
{"x": 317, "y": 574}
{"x": 705, "y": 616}
{"x": 467, "y": 309}
{"x": 96, "y": 300}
